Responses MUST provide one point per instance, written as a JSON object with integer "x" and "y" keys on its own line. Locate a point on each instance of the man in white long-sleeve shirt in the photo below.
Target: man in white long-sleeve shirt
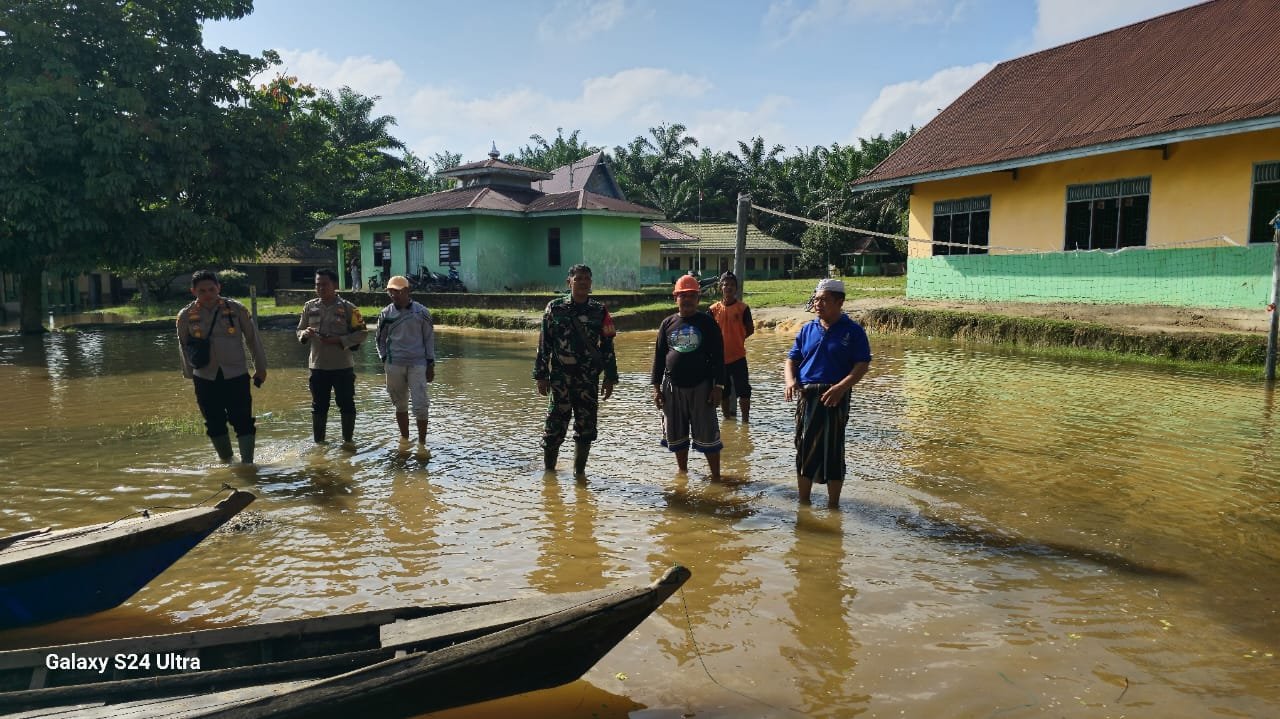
{"x": 407, "y": 348}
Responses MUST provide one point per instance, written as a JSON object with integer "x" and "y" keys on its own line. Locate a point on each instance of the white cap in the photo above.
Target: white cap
{"x": 829, "y": 285}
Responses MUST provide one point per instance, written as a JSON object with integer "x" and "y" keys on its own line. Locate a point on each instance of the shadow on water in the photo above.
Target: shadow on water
{"x": 711, "y": 498}
{"x": 580, "y": 698}
{"x": 942, "y": 530}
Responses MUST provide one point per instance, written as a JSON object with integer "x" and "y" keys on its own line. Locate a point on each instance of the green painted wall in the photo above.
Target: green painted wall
{"x": 430, "y": 227}
{"x": 611, "y": 246}
{"x": 1237, "y": 277}
{"x": 500, "y": 252}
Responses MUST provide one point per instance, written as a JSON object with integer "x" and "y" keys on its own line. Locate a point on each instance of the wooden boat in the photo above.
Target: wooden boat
{"x": 380, "y": 663}
{"x": 49, "y": 575}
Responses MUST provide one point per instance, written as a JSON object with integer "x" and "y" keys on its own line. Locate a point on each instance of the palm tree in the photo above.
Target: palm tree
{"x": 350, "y": 121}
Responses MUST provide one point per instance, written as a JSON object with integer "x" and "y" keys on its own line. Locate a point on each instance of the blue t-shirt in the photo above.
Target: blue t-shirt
{"x": 825, "y": 356}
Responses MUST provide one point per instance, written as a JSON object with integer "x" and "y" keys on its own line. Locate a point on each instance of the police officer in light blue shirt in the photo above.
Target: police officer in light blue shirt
{"x": 830, "y": 355}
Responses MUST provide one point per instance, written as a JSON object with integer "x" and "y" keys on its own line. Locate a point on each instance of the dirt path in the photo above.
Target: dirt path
{"x": 1143, "y": 318}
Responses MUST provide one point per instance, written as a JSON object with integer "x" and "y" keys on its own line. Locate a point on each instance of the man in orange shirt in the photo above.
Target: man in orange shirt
{"x": 734, "y": 318}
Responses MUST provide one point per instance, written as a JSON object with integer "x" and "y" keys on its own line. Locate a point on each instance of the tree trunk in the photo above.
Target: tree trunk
{"x": 32, "y": 302}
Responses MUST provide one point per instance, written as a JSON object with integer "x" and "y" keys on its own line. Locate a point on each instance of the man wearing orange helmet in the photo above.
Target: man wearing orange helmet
{"x": 688, "y": 378}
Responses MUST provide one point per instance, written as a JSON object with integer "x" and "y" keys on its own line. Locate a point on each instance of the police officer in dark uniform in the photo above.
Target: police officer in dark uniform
{"x": 575, "y": 346}
{"x": 334, "y": 329}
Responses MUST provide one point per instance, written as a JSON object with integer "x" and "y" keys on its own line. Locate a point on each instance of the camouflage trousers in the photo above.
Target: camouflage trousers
{"x": 575, "y": 395}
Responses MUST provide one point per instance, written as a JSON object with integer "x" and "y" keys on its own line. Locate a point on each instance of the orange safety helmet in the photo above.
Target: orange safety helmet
{"x": 687, "y": 283}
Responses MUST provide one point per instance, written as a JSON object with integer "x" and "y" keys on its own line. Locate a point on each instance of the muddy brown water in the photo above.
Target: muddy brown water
{"x": 1020, "y": 536}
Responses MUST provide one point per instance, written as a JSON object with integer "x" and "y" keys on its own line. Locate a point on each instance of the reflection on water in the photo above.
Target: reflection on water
{"x": 1019, "y": 535}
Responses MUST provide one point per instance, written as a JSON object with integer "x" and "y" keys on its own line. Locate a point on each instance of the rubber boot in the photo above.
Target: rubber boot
{"x": 222, "y": 444}
{"x": 549, "y": 454}
{"x": 246, "y": 447}
{"x": 318, "y": 422}
{"x": 744, "y": 408}
{"x": 580, "y": 452}
{"x": 348, "y": 426}
{"x": 422, "y": 431}
{"x": 402, "y": 420}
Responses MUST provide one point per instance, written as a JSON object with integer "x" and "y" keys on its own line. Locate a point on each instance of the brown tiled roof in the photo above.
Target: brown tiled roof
{"x": 302, "y": 253}
{"x": 591, "y": 173}
{"x": 722, "y": 237}
{"x": 1209, "y": 66}
{"x": 494, "y": 165}
{"x": 498, "y": 197}
{"x": 583, "y": 200}
{"x": 665, "y": 233}
{"x": 476, "y": 197}
{"x": 866, "y": 245}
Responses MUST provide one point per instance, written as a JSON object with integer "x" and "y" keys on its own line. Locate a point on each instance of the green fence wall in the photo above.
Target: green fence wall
{"x": 1235, "y": 277}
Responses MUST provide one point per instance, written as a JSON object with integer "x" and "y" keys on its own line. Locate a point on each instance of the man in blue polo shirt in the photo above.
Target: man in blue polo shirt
{"x": 830, "y": 355}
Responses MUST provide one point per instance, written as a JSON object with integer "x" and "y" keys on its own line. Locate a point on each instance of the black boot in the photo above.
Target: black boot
{"x": 222, "y": 444}
{"x": 246, "y": 447}
{"x": 580, "y": 452}
{"x": 348, "y": 426}
{"x": 318, "y": 422}
{"x": 549, "y": 455}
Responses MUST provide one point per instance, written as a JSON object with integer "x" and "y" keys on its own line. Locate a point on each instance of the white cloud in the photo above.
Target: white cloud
{"x": 917, "y": 101}
{"x": 580, "y": 19}
{"x": 721, "y": 129}
{"x": 611, "y": 108}
{"x": 364, "y": 74}
{"x": 1061, "y": 21}
{"x": 788, "y": 19}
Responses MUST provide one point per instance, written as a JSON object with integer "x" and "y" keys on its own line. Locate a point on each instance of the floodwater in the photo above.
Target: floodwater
{"x": 1020, "y": 536}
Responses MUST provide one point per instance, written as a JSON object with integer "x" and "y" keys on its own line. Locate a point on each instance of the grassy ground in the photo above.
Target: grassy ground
{"x": 760, "y": 294}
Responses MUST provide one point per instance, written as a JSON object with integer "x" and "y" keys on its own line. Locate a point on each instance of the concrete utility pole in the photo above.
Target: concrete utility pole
{"x": 1275, "y": 300}
{"x": 740, "y": 247}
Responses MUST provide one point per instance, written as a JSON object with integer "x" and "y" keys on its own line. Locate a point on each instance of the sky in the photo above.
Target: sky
{"x": 459, "y": 76}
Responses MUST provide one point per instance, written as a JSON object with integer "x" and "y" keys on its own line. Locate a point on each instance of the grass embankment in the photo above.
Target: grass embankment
{"x": 760, "y": 294}
{"x": 1059, "y": 336}
{"x": 1081, "y": 338}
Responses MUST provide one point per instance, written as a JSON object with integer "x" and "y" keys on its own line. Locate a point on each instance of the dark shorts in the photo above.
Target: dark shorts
{"x": 735, "y": 379}
{"x": 820, "y": 435}
{"x": 687, "y": 419}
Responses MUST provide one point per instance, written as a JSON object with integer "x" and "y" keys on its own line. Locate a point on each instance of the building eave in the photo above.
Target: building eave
{"x": 1137, "y": 143}
{"x": 595, "y": 213}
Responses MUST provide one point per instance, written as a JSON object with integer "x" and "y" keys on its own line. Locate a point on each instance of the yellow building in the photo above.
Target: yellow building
{"x": 1160, "y": 134}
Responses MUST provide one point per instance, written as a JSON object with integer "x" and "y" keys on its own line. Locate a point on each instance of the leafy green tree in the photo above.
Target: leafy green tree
{"x": 547, "y": 156}
{"x": 348, "y": 115}
{"x": 359, "y": 164}
{"x": 673, "y": 195}
{"x": 126, "y": 140}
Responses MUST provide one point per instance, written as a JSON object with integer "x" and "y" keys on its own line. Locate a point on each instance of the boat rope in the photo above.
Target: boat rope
{"x": 146, "y": 511}
{"x": 688, "y": 623}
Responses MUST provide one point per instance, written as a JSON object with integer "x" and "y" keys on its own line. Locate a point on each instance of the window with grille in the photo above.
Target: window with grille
{"x": 382, "y": 251}
{"x": 1266, "y": 201}
{"x": 751, "y": 263}
{"x": 450, "y": 247}
{"x": 964, "y": 222}
{"x": 673, "y": 263}
{"x": 1108, "y": 215}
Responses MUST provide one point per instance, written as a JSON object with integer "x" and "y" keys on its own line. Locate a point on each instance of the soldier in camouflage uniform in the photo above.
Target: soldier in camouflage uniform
{"x": 575, "y": 346}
